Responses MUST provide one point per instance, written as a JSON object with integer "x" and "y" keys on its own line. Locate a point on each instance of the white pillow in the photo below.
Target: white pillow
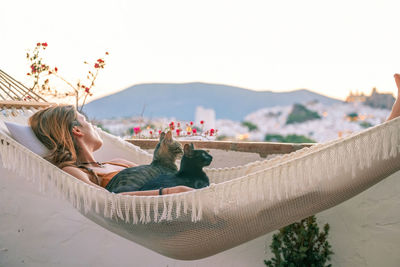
{"x": 24, "y": 135}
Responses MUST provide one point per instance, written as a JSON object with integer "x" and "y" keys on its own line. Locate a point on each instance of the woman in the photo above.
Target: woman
{"x": 72, "y": 141}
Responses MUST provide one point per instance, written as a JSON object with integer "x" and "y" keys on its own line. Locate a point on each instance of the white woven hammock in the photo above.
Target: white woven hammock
{"x": 243, "y": 202}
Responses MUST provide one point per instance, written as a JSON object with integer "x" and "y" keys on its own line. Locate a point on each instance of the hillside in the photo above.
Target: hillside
{"x": 180, "y": 101}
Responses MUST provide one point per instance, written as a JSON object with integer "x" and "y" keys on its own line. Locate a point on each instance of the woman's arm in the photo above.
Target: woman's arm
{"x": 165, "y": 191}
{"x": 83, "y": 176}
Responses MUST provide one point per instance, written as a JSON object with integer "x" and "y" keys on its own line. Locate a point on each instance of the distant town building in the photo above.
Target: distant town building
{"x": 207, "y": 116}
{"x": 351, "y": 98}
{"x": 379, "y": 100}
{"x": 375, "y": 100}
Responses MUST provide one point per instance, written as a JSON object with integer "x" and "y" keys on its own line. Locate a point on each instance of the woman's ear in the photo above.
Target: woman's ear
{"x": 76, "y": 131}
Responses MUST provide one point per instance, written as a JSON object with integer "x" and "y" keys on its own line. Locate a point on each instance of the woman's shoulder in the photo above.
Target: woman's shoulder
{"x": 75, "y": 171}
{"x": 80, "y": 174}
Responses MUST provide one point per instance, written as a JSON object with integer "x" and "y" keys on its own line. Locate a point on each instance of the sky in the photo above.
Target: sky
{"x": 329, "y": 47}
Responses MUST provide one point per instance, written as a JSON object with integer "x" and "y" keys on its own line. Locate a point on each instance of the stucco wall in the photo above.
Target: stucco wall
{"x": 39, "y": 230}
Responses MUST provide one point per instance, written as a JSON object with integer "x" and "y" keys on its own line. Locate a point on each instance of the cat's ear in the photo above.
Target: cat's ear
{"x": 187, "y": 150}
{"x": 162, "y": 135}
{"x": 168, "y": 136}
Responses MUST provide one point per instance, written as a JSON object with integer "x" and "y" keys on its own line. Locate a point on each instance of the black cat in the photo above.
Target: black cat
{"x": 191, "y": 172}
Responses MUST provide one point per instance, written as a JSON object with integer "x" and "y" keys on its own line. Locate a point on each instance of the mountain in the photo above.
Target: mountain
{"x": 180, "y": 101}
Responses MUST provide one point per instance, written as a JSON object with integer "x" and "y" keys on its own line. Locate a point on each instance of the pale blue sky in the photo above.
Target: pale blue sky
{"x": 329, "y": 47}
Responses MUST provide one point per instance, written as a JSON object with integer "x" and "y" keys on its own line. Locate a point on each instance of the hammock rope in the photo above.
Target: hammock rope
{"x": 242, "y": 203}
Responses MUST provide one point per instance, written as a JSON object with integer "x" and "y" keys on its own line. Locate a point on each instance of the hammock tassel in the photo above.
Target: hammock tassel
{"x": 155, "y": 208}
{"x": 148, "y": 202}
{"x": 134, "y": 214}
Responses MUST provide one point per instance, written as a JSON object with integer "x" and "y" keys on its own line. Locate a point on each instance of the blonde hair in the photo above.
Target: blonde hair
{"x": 53, "y": 126}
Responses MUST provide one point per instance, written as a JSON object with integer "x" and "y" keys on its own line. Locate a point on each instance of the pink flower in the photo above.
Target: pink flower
{"x": 194, "y": 130}
{"x": 178, "y": 131}
{"x": 212, "y": 132}
{"x": 201, "y": 122}
{"x": 136, "y": 130}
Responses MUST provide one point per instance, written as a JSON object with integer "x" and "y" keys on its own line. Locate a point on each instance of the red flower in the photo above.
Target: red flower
{"x": 28, "y": 74}
{"x": 50, "y": 72}
{"x": 87, "y": 90}
{"x": 106, "y": 53}
{"x": 171, "y": 125}
{"x": 194, "y": 130}
{"x": 201, "y": 122}
{"x": 191, "y": 123}
{"x": 211, "y": 132}
{"x": 56, "y": 69}
{"x": 38, "y": 44}
{"x": 178, "y": 131}
{"x": 44, "y": 44}
{"x": 188, "y": 133}
{"x": 136, "y": 130}
{"x": 151, "y": 132}
{"x": 100, "y": 60}
{"x": 179, "y": 124}
{"x": 159, "y": 131}
{"x": 96, "y": 65}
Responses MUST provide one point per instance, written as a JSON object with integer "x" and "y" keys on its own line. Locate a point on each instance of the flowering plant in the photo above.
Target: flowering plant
{"x": 41, "y": 72}
{"x": 176, "y": 130}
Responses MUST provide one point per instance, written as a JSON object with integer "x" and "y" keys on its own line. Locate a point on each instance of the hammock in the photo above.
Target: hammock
{"x": 242, "y": 203}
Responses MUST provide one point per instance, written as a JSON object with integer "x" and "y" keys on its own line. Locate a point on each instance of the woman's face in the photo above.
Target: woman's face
{"x": 89, "y": 134}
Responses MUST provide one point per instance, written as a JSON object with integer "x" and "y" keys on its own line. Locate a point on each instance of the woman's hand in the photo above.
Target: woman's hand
{"x": 176, "y": 189}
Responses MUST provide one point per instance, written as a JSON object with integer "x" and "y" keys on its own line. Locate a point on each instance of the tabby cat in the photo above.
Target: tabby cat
{"x": 190, "y": 174}
{"x": 165, "y": 154}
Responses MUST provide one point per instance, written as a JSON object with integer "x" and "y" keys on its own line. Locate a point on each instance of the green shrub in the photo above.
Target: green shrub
{"x": 301, "y": 245}
{"x": 300, "y": 113}
{"x": 291, "y": 138}
{"x": 274, "y": 138}
{"x": 352, "y": 115}
{"x": 250, "y": 126}
{"x": 365, "y": 124}
{"x": 294, "y": 138}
